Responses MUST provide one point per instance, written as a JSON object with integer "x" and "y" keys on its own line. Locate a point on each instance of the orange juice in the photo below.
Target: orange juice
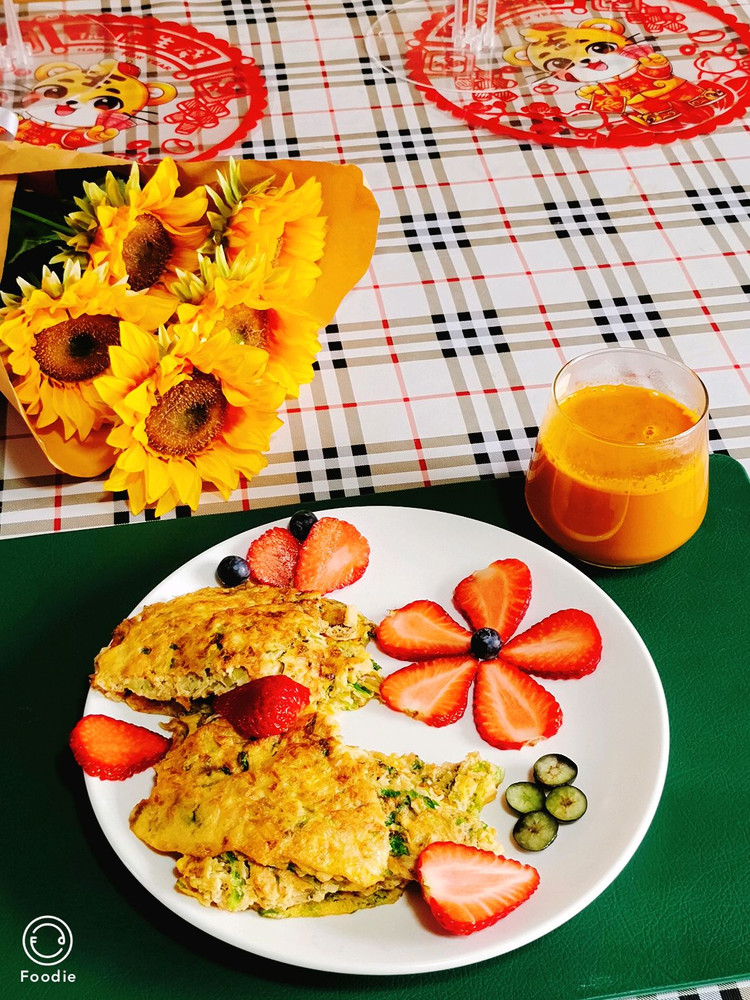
{"x": 619, "y": 475}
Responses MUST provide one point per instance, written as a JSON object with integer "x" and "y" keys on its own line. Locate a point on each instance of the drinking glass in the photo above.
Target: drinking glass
{"x": 619, "y": 474}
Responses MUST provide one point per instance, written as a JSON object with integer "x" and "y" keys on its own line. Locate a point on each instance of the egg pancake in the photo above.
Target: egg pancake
{"x": 174, "y": 656}
{"x": 302, "y": 824}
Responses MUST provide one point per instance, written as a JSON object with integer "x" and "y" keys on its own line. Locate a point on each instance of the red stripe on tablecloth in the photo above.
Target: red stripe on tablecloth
{"x": 605, "y": 266}
{"x": 590, "y": 169}
{"x": 245, "y": 498}
{"x": 57, "y": 506}
{"x": 401, "y": 384}
{"x": 527, "y": 270}
{"x": 335, "y": 136}
{"x": 489, "y": 391}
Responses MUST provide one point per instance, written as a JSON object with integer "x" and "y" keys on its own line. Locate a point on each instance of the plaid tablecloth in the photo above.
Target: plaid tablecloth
{"x": 726, "y": 991}
{"x": 496, "y": 261}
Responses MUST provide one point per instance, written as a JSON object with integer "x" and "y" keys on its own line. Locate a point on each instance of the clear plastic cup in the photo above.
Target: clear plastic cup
{"x": 619, "y": 474}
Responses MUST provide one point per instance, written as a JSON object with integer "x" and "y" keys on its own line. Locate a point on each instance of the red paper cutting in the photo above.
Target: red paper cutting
{"x": 145, "y": 88}
{"x": 599, "y": 73}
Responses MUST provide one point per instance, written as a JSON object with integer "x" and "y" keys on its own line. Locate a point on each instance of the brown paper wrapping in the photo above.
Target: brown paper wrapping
{"x": 349, "y": 206}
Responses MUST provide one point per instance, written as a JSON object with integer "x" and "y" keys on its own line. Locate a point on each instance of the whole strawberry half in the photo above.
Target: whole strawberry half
{"x": 469, "y": 889}
{"x": 434, "y": 691}
{"x": 564, "y": 645}
{"x": 272, "y": 557}
{"x": 111, "y": 749}
{"x": 496, "y": 597}
{"x": 333, "y": 555}
{"x": 265, "y": 706}
{"x": 511, "y": 710}
{"x": 421, "y": 630}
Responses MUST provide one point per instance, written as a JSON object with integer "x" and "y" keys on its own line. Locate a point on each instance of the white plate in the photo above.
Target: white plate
{"x": 614, "y": 726}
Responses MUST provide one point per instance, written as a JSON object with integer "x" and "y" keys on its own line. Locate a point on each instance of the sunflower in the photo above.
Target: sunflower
{"x": 223, "y": 296}
{"x": 145, "y": 233}
{"x": 191, "y": 410}
{"x": 55, "y": 341}
{"x": 284, "y": 224}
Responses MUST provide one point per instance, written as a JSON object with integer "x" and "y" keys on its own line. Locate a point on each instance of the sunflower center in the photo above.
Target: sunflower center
{"x": 188, "y": 417}
{"x": 77, "y": 350}
{"x": 146, "y": 251}
{"x": 247, "y": 326}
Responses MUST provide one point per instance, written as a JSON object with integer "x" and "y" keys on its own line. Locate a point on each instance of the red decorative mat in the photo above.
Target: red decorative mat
{"x": 145, "y": 88}
{"x": 591, "y": 72}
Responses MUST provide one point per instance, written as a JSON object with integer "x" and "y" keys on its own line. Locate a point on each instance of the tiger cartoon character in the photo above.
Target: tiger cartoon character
{"x": 72, "y": 107}
{"x": 617, "y": 75}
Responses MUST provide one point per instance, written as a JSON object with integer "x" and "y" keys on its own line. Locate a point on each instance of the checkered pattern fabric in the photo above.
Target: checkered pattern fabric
{"x": 496, "y": 261}
{"x": 726, "y": 991}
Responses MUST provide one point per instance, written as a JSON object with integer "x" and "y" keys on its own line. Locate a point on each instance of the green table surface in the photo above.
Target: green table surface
{"x": 676, "y": 915}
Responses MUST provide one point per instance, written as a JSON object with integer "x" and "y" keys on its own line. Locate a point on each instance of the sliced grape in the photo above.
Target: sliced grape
{"x": 566, "y": 803}
{"x": 535, "y": 831}
{"x": 554, "y": 769}
{"x": 524, "y": 797}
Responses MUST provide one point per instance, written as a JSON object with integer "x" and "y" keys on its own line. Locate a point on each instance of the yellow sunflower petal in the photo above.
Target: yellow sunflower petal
{"x": 214, "y": 466}
{"x": 106, "y": 215}
{"x": 185, "y": 210}
{"x": 186, "y": 481}
{"x": 13, "y": 332}
{"x": 47, "y": 410}
{"x": 76, "y": 415}
{"x": 120, "y": 437}
{"x": 148, "y": 310}
{"x": 136, "y": 403}
{"x": 142, "y": 349}
{"x": 136, "y": 494}
{"x": 160, "y": 189}
{"x": 157, "y": 481}
{"x": 168, "y": 502}
{"x": 117, "y": 480}
{"x": 250, "y": 430}
{"x": 249, "y": 464}
{"x": 133, "y": 459}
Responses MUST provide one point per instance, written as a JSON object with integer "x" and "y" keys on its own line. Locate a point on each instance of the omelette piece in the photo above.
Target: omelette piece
{"x": 302, "y": 824}
{"x": 174, "y": 656}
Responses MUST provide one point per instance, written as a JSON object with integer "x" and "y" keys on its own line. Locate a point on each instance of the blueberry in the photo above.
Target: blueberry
{"x": 232, "y": 570}
{"x": 300, "y": 523}
{"x": 485, "y": 644}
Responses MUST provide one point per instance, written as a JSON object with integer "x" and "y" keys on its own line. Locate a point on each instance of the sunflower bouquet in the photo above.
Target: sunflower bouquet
{"x": 180, "y": 308}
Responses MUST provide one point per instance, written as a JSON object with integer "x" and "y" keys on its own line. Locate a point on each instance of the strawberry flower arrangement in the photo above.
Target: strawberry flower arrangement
{"x": 177, "y": 315}
{"x": 511, "y": 709}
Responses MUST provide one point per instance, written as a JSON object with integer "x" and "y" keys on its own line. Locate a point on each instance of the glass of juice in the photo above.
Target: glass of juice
{"x": 619, "y": 475}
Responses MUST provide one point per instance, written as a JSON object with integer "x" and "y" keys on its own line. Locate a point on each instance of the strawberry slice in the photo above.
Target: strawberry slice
{"x": 264, "y": 706}
{"x": 111, "y": 749}
{"x": 468, "y": 889}
{"x": 272, "y": 557}
{"x": 333, "y": 555}
{"x": 496, "y": 597}
{"x": 421, "y": 630}
{"x": 565, "y": 644}
{"x": 511, "y": 710}
{"x": 433, "y": 691}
